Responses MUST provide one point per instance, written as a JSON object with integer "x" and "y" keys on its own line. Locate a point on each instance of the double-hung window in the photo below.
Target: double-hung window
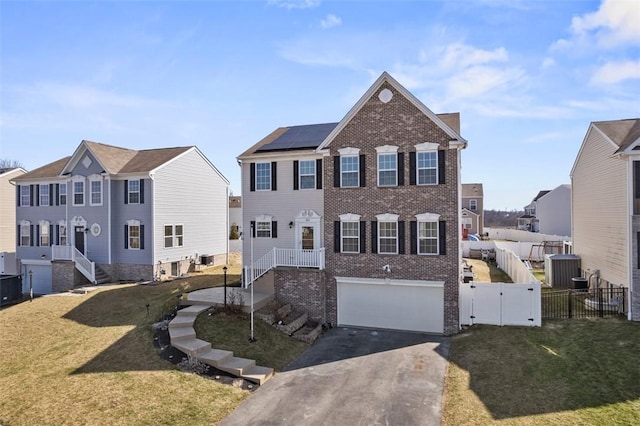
{"x": 387, "y": 165}
{"x": 168, "y": 236}
{"x": 45, "y": 237}
{"x": 179, "y": 238}
{"x": 44, "y": 194}
{"x": 62, "y": 194}
{"x": 427, "y": 167}
{"x": 173, "y": 236}
{"x": 350, "y": 233}
{"x": 133, "y": 235}
{"x": 62, "y": 233}
{"x": 263, "y": 176}
{"x": 78, "y": 193}
{"x": 473, "y": 205}
{"x": 25, "y": 195}
{"x": 263, "y": 229}
{"x": 428, "y": 233}
{"x": 95, "y": 190}
{"x": 307, "y": 170}
{"x": 25, "y": 232}
{"x": 134, "y": 191}
{"x": 349, "y": 171}
{"x": 387, "y": 233}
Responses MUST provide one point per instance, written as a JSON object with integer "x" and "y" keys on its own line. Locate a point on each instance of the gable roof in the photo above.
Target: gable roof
{"x": 541, "y": 194}
{"x": 621, "y": 132}
{"x": 472, "y": 190}
{"x": 114, "y": 160}
{"x": 386, "y": 78}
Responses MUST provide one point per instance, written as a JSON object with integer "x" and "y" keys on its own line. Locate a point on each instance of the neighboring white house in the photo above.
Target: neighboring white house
{"x": 8, "y": 220}
{"x": 605, "y": 181}
{"x": 553, "y": 211}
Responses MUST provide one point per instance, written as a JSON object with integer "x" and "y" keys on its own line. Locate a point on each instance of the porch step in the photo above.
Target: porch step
{"x": 101, "y": 276}
{"x": 236, "y": 365}
{"x": 192, "y": 310}
{"x": 181, "y": 333}
{"x": 193, "y": 347}
{"x": 215, "y": 356}
{"x": 182, "y": 321}
{"x": 258, "y": 374}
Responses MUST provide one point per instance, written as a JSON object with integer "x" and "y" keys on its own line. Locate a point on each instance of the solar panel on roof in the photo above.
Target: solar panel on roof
{"x": 300, "y": 137}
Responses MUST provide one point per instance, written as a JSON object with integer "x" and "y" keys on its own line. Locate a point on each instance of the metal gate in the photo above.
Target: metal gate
{"x": 602, "y": 302}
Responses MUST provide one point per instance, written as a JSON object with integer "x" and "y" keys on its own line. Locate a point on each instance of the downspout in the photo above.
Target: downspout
{"x": 227, "y": 231}
{"x": 630, "y": 241}
{"x": 153, "y": 225}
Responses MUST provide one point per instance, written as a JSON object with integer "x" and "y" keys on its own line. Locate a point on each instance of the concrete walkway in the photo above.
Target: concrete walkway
{"x": 355, "y": 377}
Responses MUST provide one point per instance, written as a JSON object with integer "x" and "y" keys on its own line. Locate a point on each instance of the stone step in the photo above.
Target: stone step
{"x": 192, "y": 310}
{"x": 258, "y": 374}
{"x": 181, "y": 333}
{"x": 236, "y": 365}
{"x": 193, "y": 347}
{"x": 214, "y": 357}
{"x": 182, "y": 321}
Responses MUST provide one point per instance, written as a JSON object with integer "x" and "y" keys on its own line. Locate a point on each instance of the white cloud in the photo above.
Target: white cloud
{"x": 615, "y": 23}
{"x": 461, "y": 55}
{"x": 548, "y": 62}
{"x": 616, "y": 72}
{"x": 330, "y": 21}
{"x": 480, "y": 80}
{"x": 294, "y": 4}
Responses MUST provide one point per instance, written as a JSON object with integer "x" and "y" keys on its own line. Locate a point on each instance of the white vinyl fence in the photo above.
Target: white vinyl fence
{"x": 520, "y": 235}
{"x": 524, "y": 250}
{"x": 510, "y": 263}
{"x": 500, "y": 304}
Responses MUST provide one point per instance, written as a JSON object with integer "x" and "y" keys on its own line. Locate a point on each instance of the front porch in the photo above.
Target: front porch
{"x": 276, "y": 257}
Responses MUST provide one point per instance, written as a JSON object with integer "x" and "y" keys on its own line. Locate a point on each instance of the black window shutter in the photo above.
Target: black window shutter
{"x": 31, "y": 197}
{"x": 441, "y": 166}
{"x": 18, "y": 195}
{"x": 57, "y": 234}
{"x": 274, "y": 229}
{"x": 31, "y": 235}
{"x": 57, "y": 195}
{"x": 141, "y": 191}
{"x": 296, "y": 168}
{"x": 319, "y": 173}
{"x": 126, "y": 237}
{"x": 38, "y": 235}
{"x": 401, "y": 249}
{"x": 363, "y": 177}
{"x": 336, "y": 236}
{"x": 336, "y": 171}
{"x": 363, "y": 236}
{"x": 413, "y": 236}
{"x": 18, "y": 235}
{"x": 141, "y": 237}
{"x": 442, "y": 234}
{"x": 37, "y": 195}
{"x": 401, "y": 169}
{"x": 274, "y": 176}
{"x": 636, "y": 178}
{"x": 412, "y": 168}
{"x": 252, "y": 176}
{"x": 51, "y": 195}
{"x": 374, "y": 237}
{"x": 253, "y": 228}
{"x": 126, "y": 193}
{"x": 50, "y": 235}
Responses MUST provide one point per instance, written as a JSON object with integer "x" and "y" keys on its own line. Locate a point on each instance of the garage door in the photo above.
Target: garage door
{"x": 393, "y": 304}
{"x": 41, "y": 279}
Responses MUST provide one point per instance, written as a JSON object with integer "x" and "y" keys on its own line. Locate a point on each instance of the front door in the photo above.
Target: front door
{"x": 79, "y": 238}
{"x": 307, "y": 237}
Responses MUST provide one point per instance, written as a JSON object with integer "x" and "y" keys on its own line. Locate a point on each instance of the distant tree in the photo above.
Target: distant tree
{"x": 5, "y": 163}
{"x": 502, "y": 218}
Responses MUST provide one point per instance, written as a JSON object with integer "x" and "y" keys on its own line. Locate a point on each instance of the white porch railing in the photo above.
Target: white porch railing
{"x": 283, "y": 257}
{"x": 83, "y": 264}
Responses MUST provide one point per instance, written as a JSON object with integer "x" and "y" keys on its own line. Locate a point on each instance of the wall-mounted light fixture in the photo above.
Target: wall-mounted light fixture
{"x": 290, "y": 224}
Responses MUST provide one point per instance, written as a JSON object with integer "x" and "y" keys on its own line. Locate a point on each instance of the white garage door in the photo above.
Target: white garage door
{"x": 41, "y": 279}
{"x": 393, "y": 304}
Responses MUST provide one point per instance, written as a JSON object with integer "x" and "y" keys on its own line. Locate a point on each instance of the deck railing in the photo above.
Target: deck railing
{"x": 296, "y": 258}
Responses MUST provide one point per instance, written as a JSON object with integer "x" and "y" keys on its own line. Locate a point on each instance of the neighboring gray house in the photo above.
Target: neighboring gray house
{"x": 605, "y": 181}
{"x": 553, "y": 211}
{"x": 110, "y": 214}
{"x": 529, "y": 221}
{"x": 358, "y": 222}
{"x": 472, "y": 209}
{"x": 8, "y": 220}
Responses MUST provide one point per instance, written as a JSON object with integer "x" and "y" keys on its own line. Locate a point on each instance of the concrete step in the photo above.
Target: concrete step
{"x": 181, "y": 333}
{"x": 214, "y": 357}
{"x": 182, "y": 321}
{"x": 236, "y": 365}
{"x": 192, "y": 310}
{"x": 193, "y": 347}
{"x": 258, "y": 374}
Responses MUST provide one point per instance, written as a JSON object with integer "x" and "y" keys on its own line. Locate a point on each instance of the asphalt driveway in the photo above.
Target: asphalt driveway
{"x": 353, "y": 376}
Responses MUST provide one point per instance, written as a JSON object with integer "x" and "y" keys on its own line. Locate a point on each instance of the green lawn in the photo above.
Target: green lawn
{"x": 569, "y": 372}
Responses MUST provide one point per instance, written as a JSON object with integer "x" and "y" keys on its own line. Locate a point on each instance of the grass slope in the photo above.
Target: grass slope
{"x": 572, "y": 372}
{"x": 68, "y": 360}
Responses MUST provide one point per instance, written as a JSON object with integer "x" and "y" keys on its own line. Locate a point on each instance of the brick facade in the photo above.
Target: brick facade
{"x": 303, "y": 289}
{"x": 400, "y": 123}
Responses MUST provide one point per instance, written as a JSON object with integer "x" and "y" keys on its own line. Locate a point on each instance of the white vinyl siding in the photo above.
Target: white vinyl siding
{"x": 600, "y": 213}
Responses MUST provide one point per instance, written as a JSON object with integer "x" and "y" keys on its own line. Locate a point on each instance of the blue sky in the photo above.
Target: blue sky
{"x": 526, "y": 76}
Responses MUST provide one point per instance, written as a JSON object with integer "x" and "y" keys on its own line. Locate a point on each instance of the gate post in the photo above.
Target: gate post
{"x": 570, "y": 303}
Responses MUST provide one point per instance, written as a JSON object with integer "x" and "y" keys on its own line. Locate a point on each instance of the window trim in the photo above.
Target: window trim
{"x": 418, "y": 168}
{"x": 46, "y": 188}
{"x": 177, "y": 240}
{"x": 62, "y": 224}
{"x": 130, "y": 192}
{"x": 92, "y": 179}
{"x": 473, "y": 205}
{"x": 356, "y": 171}
{"x": 25, "y": 224}
{"x": 61, "y": 194}
{"x": 78, "y": 180}
{"x": 168, "y": 237}
{"x": 387, "y": 150}
{"x": 428, "y": 218}
{"x": 388, "y": 218}
{"x": 257, "y": 177}
{"x": 44, "y": 229}
{"x": 263, "y": 219}
{"x": 131, "y": 224}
